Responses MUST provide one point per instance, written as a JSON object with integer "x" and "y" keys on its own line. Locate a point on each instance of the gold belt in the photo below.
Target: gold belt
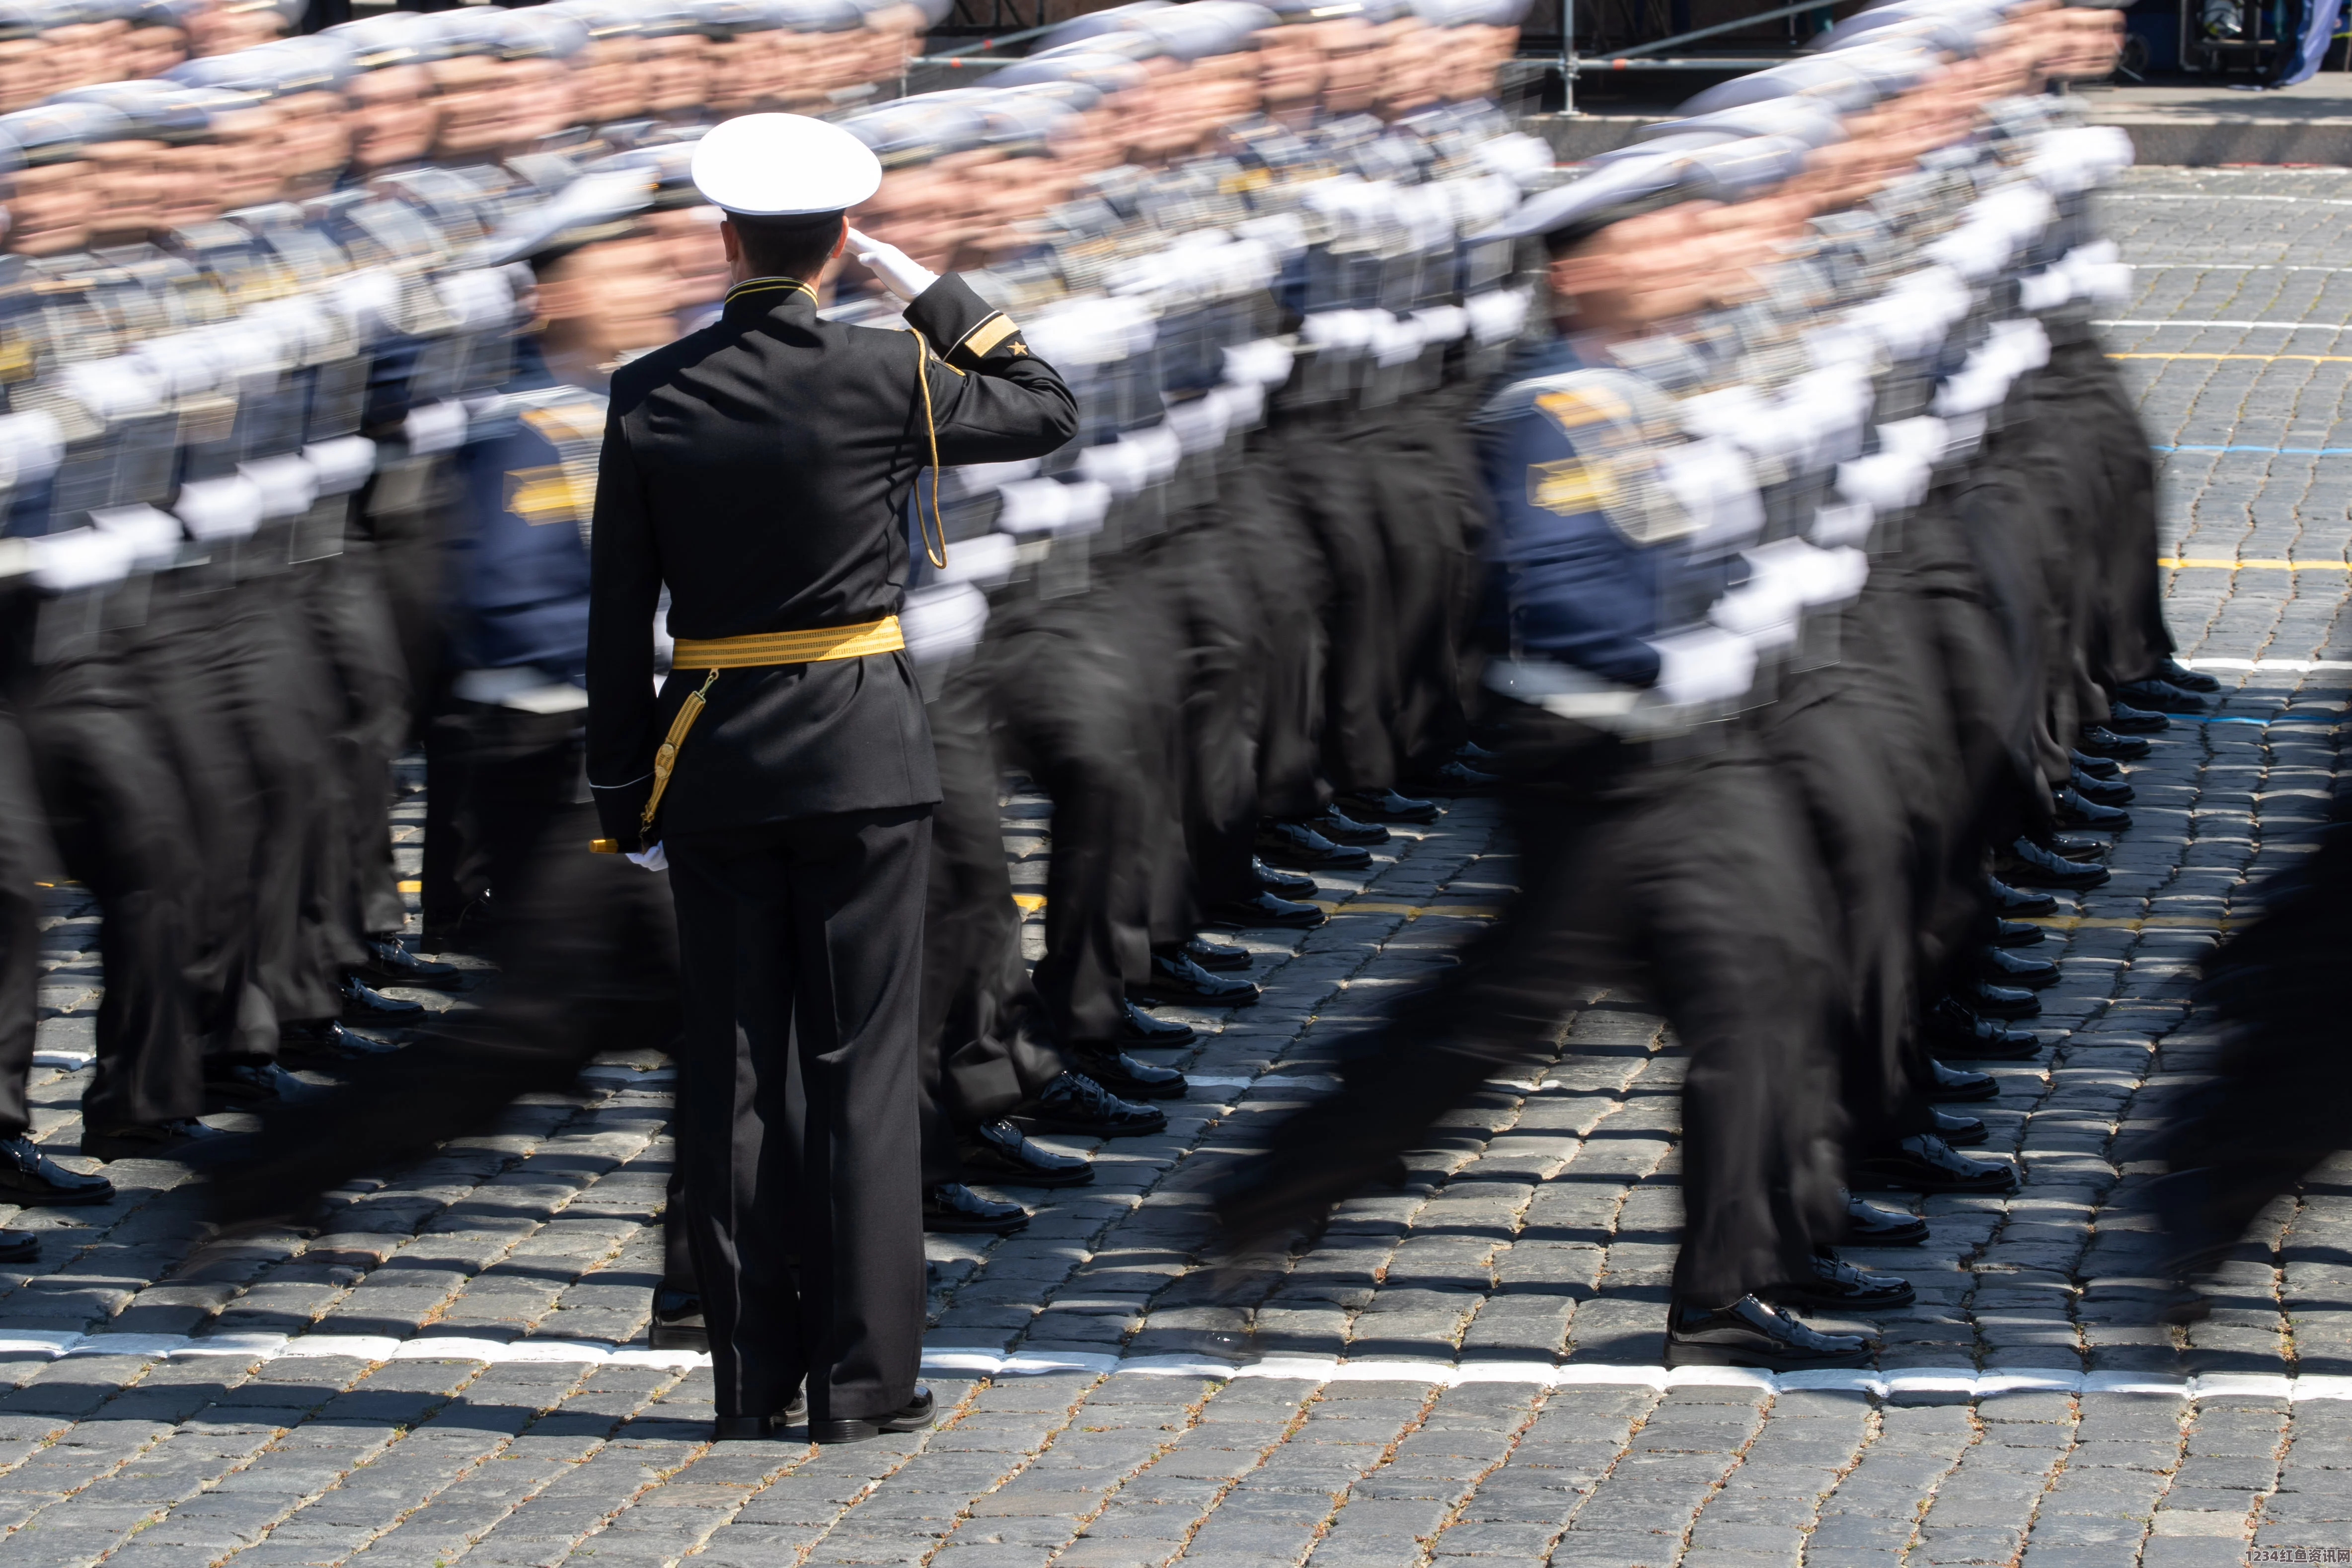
{"x": 821, "y": 646}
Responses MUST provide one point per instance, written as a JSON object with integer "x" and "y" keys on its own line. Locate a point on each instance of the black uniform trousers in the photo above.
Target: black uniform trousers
{"x": 351, "y": 625}
{"x": 802, "y": 949}
{"x": 1689, "y": 877}
{"x": 21, "y": 856}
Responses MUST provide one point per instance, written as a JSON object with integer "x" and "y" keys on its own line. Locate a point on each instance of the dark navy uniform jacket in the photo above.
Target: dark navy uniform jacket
{"x": 1588, "y": 555}
{"x": 759, "y": 468}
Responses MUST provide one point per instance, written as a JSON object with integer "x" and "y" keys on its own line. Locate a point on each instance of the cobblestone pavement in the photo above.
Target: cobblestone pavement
{"x": 1464, "y": 1368}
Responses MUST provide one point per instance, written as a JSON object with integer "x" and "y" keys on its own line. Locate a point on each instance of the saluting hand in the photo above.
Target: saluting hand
{"x": 901, "y": 274}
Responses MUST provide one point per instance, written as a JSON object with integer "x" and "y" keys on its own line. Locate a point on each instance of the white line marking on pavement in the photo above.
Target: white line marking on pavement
{"x": 2283, "y": 326}
{"x": 2232, "y": 267}
{"x": 2305, "y": 665}
{"x": 980, "y": 1361}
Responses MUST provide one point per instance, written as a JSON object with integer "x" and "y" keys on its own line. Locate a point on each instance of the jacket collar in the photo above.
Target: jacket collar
{"x": 759, "y": 296}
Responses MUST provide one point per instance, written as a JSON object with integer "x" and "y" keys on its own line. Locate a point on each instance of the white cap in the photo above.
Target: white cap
{"x": 783, "y": 165}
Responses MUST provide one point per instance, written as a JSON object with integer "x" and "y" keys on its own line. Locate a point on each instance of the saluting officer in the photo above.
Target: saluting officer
{"x": 765, "y": 469}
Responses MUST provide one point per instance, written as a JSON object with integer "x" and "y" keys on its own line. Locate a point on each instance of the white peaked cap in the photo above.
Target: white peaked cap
{"x": 783, "y": 165}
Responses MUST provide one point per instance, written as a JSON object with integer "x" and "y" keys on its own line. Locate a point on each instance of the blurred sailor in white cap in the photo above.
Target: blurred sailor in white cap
{"x": 765, "y": 469}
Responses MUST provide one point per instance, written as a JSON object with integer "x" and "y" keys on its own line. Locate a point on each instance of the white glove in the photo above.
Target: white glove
{"x": 654, "y": 859}
{"x": 1704, "y": 666}
{"x": 899, "y": 272}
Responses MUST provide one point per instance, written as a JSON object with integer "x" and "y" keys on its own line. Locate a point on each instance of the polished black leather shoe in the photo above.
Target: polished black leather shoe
{"x": 2160, "y": 696}
{"x": 1176, "y": 978}
{"x": 2103, "y": 742}
{"x": 2101, "y": 768}
{"x": 146, "y": 1141}
{"x": 1217, "y": 955}
{"x": 1952, "y": 1029}
{"x": 1751, "y": 1332}
{"x": 2075, "y": 809}
{"x": 2102, "y": 791}
{"x": 231, "y": 1084}
{"x": 2017, "y": 903}
{"x": 1875, "y": 1225}
{"x": 1839, "y": 1286}
{"x": 19, "y": 1246}
{"x": 1960, "y": 1132}
{"x": 677, "y": 1321}
{"x": 2073, "y": 847}
{"x": 952, "y": 1208}
{"x": 1341, "y": 829}
{"x": 363, "y": 1004}
{"x": 2016, "y": 933}
{"x": 1128, "y": 1077}
{"x": 29, "y": 1178}
{"x": 1140, "y": 1028}
{"x": 2028, "y": 864}
{"x": 1264, "y": 912}
{"x": 1986, "y": 1000}
{"x": 912, "y": 1417}
{"x": 1298, "y": 845}
{"x": 2174, "y": 673}
{"x": 1459, "y": 777}
{"x": 326, "y": 1040}
{"x": 1283, "y": 884}
{"x": 996, "y": 1153}
{"x": 1075, "y": 1103}
{"x": 390, "y": 963}
{"x": 1387, "y": 806}
{"x": 1924, "y": 1163}
{"x": 2124, "y": 720}
{"x": 2007, "y": 968}
{"x": 761, "y": 1428}
{"x": 1959, "y": 1086}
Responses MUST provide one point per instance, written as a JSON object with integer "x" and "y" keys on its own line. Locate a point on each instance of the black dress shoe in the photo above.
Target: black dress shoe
{"x": 1176, "y": 978}
{"x": 1874, "y": 1225}
{"x": 2075, "y": 809}
{"x": 363, "y": 1004}
{"x": 2009, "y": 969}
{"x": 1265, "y": 910}
{"x": 2073, "y": 847}
{"x": 2175, "y": 672}
{"x": 231, "y": 1084}
{"x": 1749, "y": 1332}
{"x": 761, "y": 1428}
{"x": 1387, "y": 806}
{"x": 1838, "y": 1286}
{"x": 1960, "y": 1132}
{"x": 326, "y": 1040}
{"x": 1924, "y": 1163}
{"x": 2103, "y": 742}
{"x": 2015, "y": 934}
{"x": 912, "y": 1417}
{"x": 1287, "y": 885}
{"x": 2100, "y": 768}
{"x": 1139, "y": 1028}
{"x": 1953, "y": 1029}
{"x": 2124, "y": 720}
{"x": 1217, "y": 955}
{"x": 677, "y": 1321}
{"x": 1988, "y": 1000}
{"x": 146, "y": 1141}
{"x": 1075, "y": 1103}
{"x": 2018, "y": 902}
{"x": 2102, "y": 791}
{"x": 1127, "y": 1077}
{"x": 1297, "y": 844}
{"x": 2160, "y": 696}
{"x": 1459, "y": 777}
{"x": 997, "y": 1152}
{"x": 29, "y": 1178}
{"x": 389, "y": 963}
{"x": 1959, "y": 1086}
{"x": 953, "y": 1209}
{"x": 2028, "y": 864}
{"x": 19, "y": 1246}
{"x": 1341, "y": 829}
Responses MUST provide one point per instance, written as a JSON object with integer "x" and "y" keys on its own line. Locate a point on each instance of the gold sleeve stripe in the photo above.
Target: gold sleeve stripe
{"x": 988, "y": 334}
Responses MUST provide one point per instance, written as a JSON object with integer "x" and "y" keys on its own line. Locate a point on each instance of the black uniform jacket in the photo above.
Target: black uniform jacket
{"x": 760, "y": 467}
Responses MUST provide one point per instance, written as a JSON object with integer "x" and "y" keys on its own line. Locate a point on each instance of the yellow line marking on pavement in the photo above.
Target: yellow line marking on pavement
{"x": 411, "y": 887}
{"x": 2132, "y": 922}
{"x": 2225, "y": 564}
{"x": 1412, "y": 911}
{"x": 1030, "y": 903}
